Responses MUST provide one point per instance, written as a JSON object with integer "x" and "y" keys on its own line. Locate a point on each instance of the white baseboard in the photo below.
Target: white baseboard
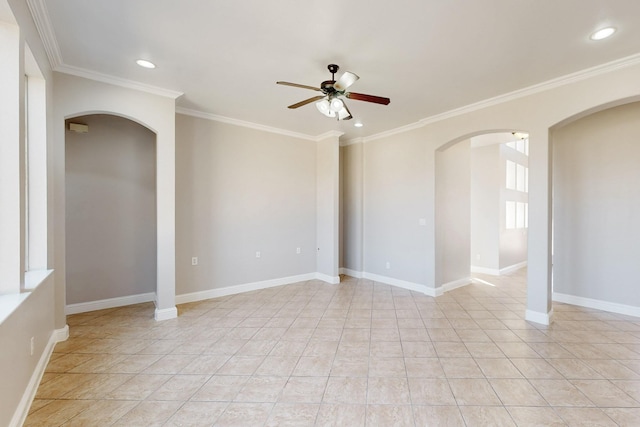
{"x": 165, "y": 314}
{"x": 611, "y": 307}
{"x": 433, "y": 292}
{"x": 352, "y": 273}
{"x": 332, "y": 280}
{"x": 247, "y": 287}
{"x": 21, "y": 412}
{"x": 495, "y": 271}
{"x": 83, "y": 307}
{"x": 455, "y": 284}
{"x": 512, "y": 268}
{"x": 62, "y": 334}
{"x": 538, "y": 317}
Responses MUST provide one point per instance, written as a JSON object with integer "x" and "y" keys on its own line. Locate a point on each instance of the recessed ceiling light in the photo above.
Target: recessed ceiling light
{"x": 145, "y": 64}
{"x": 358, "y": 124}
{"x": 603, "y": 33}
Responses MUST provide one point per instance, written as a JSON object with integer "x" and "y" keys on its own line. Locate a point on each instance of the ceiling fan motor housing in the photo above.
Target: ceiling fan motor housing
{"x": 327, "y": 86}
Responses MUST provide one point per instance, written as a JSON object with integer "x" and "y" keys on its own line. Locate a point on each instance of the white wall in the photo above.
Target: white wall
{"x": 597, "y": 206}
{"x": 452, "y": 208}
{"x": 110, "y": 209}
{"x": 41, "y": 310}
{"x": 239, "y": 191}
{"x": 513, "y": 242}
{"x": 486, "y": 181}
{"x": 494, "y": 247}
{"x": 19, "y": 369}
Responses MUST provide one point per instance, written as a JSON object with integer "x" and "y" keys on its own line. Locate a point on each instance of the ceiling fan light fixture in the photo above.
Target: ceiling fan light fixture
{"x": 325, "y": 108}
{"x": 331, "y": 103}
{"x": 336, "y": 104}
{"x": 358, "y": 124}
{"x": 347, "y": 79}
{"x": 344, "y": 114}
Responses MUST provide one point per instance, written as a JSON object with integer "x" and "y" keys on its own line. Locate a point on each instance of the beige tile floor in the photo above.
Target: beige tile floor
{"x": 358, "y": 353}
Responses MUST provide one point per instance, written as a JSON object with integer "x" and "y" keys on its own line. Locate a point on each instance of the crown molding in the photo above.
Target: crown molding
{"x": 358, "y": 140}
{"x": 537, "y": 88}
{"x": 391, "y": 132}
{"x": 520, "y": 93}
{"x": 117, "y": 81}
{"x": 40, "y": 15}
{"x": 330, "y": 134}
{"x": 243, "y": 123}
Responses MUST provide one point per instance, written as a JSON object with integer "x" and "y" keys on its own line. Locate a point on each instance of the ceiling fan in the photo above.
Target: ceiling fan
{"x": 330, "y": 103}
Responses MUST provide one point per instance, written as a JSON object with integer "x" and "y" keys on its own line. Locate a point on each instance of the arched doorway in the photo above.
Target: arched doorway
{"x": 480, "y": 206}
{"x": 111, "y": 243}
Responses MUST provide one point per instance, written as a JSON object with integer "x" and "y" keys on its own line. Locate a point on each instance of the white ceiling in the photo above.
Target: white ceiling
{"x": 428, "y": 56}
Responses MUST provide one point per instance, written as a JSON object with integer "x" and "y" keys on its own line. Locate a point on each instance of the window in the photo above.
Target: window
{"x": 23, "y": 163}
{"x": 516, "y": 215}
{"x": 517, "y": 180}
{"x": 517, "y": 176}
{"x": 520, "y": 145}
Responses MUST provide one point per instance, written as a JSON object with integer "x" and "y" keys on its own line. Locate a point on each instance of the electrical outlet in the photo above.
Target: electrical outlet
{"x": 297, "y": 250}
{"x": 422, "y": 221}
{"x": 32, "y": 345}
{"x": 477, "y": 257}
{"x": 257, "y": 254}
{"x": 194, "y": 260}
{"x": 388, "y": 265}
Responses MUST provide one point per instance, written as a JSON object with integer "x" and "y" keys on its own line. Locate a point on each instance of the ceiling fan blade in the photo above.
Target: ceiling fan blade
{"x": 368, "y": 98}
{"x": 306, "y": 101}
{"x": 300, "y": 86}
{"x": 346, "y": 80}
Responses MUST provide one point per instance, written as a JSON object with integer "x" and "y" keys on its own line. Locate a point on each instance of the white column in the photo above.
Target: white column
{"x": 327, "y": 205}
{"x": 166, "y": 224}
{"x": 539, "y": 308}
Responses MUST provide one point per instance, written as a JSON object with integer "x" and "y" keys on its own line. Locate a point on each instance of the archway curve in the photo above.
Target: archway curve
{"x": 112, "y": 113}
{"x": 595, "y": 109}
{"x": 456, "y": 140}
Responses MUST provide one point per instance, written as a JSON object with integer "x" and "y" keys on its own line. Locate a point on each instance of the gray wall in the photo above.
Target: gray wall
{"x": 596, "y": 167}
{"x": 239, "y": 191}
{"x": 110, "y": 210}
{"x": 351, "y": 158}
{"x": 453, "y": 186}
{"x": 397, "y": 190}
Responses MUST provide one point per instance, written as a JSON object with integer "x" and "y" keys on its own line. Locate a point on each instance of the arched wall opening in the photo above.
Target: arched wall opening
{"x": 475, "y": 191}
{"x": 596, "y": 205}
{"x": 111, "y": 239}
{"x": 75, "y": 96}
